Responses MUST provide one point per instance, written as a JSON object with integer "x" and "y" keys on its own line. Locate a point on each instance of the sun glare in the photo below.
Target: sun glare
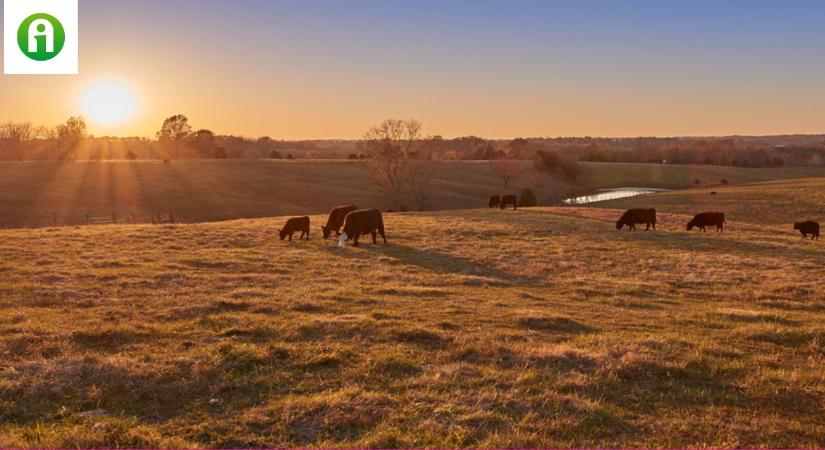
{"x": 108, "y": 102}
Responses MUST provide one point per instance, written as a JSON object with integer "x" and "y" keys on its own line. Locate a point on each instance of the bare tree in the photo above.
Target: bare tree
{"x": 507, "y": 168}
{"x": 389, "y": 146}
{"x": 421, "y": 175}
{"x": 13, "y": 139}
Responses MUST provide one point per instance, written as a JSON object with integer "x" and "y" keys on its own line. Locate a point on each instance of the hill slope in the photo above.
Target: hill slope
{"x": 777, "y": 202}
{"x": 475, "y": 328}
{"x": 39, "y": 193}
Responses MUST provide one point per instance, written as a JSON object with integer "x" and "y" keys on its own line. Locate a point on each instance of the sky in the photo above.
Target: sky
{"x": 313, "y": 69}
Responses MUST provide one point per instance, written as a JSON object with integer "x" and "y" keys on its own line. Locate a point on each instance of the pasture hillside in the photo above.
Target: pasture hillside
{"x": 776, "y": 202}
{"x": 44, "y": 193}
{"x": 535, "y": 328}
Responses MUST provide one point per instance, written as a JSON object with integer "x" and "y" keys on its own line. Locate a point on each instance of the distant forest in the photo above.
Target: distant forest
{"x": 178, "y": 140}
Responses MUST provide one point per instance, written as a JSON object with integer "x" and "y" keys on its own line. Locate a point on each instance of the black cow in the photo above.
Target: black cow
{"x": 336, "y": 220}
{"x": 295, "y": 224}
{"x": 363, "y": 221}
{"x": 509, "y": 200}
{"x": 633, "y": 216}
{"x": 708, "y": 219}
{"x": 807, "y": 228}
{"x": 495, "y": 201}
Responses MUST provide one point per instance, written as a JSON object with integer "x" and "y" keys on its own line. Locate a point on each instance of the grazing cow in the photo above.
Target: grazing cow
{"x": 336, "y": 220}
{"x": 295, "y": 224}
{"x": 633, "y": 216}
{"x": 807, "y": 228}
{"x": 708, "y": 219}
{"x": 509, "y": 200}
{"x": 713, "y": 193}
{"x": 495, "y": 201}
{"x": 363, "y": 221}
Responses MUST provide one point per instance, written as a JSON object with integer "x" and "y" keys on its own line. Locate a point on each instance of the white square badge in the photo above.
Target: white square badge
{"x": 40, "y": 37}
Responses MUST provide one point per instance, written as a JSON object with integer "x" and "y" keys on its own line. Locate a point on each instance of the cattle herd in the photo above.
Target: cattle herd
{"x": 357, "y": 222}
{"x": 354, "y": 221}
{"x": 701, "y": 221}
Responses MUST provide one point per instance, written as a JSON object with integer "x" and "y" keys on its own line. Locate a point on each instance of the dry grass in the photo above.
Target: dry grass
{"x": 776, "y": 202}
{"x": 37, "y": 193}
{"x": 542, "y": 327}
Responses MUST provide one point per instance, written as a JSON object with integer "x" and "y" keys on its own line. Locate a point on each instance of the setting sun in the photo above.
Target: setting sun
{"x": 108, "y": 102}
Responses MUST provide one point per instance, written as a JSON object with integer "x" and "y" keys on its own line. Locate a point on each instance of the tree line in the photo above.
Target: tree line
{"x": 177, "y": 139}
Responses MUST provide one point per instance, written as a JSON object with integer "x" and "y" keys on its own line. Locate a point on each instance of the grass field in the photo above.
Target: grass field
{"x": 775, "y": 202}
{"x": 543, "y": 327}
{"x": 42, "y": 193}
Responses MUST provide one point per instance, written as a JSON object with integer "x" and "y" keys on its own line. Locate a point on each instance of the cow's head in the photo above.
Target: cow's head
{"x": 282, "y": 233}
{"x": 327, "y": 231}
{"x": 342, "y": 241}
{"x": 619, "y": 224}
{"x": 690, "y": 225}
{"x": 797, "y": 226}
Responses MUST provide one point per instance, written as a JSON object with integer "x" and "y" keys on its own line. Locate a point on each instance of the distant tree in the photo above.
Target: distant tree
{"x": 551, "y": 163}
{"x": 174, "y": 131}
{"x": 519, "y": 147}
{"x": 353, "y": 156}
{"x": 507, "y": 168}
{"x": 420, "y": 181}
{"x": 389, "y": 146}
{"x": 130, "y": 155}
{"x": 724, "y": 181}
{"x": 275, "y": 155}
{"x": 697, "y": 182}
{"x": 527, "y": 199}
{"x": 289, "y": 156}
{"x": 14, "y": 137}
{"x": 488, "y": 152}
{"x": 204, "y": 144}
{"x": 69, "y": 136}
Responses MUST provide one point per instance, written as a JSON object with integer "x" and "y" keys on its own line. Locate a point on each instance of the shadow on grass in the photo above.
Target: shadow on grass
{"x": 437, "y": 262}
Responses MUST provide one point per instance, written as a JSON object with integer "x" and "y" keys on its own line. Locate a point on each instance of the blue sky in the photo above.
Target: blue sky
{"x": 315, "y": 68}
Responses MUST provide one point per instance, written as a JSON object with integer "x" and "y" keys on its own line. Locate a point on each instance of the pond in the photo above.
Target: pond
{"x": 612, "y": 194}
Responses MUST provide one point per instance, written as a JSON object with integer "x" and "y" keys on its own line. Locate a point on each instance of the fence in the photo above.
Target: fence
{"x": 89, "y": 219}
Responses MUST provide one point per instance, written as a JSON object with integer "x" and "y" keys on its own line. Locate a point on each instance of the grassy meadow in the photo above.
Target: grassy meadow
{"x": 536, "y": 328}
{"x": 774, "y": 202}
{"x": 38, "y": 194}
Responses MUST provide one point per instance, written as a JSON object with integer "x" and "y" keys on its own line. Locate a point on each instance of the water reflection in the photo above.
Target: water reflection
{"x": 611, "y": 194}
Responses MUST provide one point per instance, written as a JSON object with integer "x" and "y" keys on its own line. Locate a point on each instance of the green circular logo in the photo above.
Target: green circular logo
{"x": 41, "y": 37}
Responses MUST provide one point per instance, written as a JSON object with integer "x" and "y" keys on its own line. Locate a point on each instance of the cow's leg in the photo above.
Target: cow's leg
{"x": 648, "y": 227}
{"x": 290, "y": 237}
{"x": 374, "y": 237}
{"x": 355, "y": 239}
